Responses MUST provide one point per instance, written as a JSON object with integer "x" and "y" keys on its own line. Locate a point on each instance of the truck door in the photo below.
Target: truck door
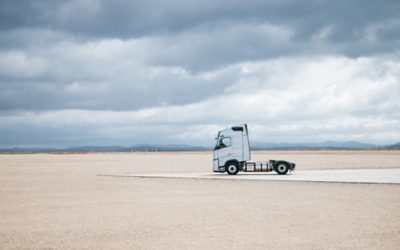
{"x": 224, "y": 150}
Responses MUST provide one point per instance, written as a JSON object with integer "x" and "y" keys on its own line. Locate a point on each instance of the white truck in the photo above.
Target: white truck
{"x": 232, "y": 154}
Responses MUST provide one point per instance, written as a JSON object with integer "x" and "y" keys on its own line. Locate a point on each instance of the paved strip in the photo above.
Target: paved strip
{"x": 380, "y": 176}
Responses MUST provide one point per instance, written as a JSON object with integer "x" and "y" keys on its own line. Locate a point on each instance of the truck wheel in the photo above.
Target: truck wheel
{"x": 232, "y": 168}
{"x": 282, "y": 168}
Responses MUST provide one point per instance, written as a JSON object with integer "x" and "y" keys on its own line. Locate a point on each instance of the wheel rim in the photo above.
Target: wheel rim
{"x": 281, "y": 168}
{"x": 232, "y": 168}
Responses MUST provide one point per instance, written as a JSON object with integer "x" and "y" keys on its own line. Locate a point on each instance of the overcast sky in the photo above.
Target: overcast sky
{"x": 123, "y": 72}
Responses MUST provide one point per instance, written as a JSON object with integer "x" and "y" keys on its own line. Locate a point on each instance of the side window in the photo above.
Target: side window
{"x": 225, "y": 142}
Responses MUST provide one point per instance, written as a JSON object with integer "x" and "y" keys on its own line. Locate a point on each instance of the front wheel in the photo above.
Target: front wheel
{"x": 232, "y": 168}
{"x": 282, "y": 168}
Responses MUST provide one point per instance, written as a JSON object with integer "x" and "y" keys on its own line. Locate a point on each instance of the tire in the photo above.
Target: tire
{"x": 232, "y": 168}
{"x": 281, "y": 167}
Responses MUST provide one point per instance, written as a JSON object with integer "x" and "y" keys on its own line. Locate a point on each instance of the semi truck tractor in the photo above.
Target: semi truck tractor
{"x": 232, "y": 154}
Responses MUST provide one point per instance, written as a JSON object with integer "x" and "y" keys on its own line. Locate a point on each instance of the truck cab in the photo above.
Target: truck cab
{"x": 232, "y": 144}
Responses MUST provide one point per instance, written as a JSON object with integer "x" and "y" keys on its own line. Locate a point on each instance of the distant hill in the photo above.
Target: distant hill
{"x": 394, "y": 146}
{"x": 318, "y": 145}
{"x": 182, "y": 147}
{"x": 138, "y": 147}
{"x": 134, "y": 148}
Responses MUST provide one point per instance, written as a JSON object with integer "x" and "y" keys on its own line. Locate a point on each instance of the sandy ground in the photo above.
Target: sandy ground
{"x": 360, "y": 176}
{"x": 59, "y": 201}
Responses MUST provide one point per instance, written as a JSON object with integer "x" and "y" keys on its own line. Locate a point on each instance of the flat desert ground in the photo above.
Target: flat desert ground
{"x": 64, "y": 201}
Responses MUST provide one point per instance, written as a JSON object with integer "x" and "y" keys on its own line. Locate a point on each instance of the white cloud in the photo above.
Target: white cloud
{"x": 294, "y": 99}
{"x": 18, "y": 65}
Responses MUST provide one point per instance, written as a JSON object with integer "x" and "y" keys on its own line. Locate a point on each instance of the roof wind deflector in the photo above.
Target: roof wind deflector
{"x": 237, "y": 129}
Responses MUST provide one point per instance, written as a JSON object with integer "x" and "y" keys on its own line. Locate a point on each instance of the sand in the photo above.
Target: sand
{"x": 52, "y": 201}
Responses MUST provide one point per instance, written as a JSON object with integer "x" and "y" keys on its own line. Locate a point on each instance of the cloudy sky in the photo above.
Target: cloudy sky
{"x": 122, "y": 72}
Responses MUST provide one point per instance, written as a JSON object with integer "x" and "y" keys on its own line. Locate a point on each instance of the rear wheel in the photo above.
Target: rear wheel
{"x": 282, "y": 168}
{"x": 232, "y": 168}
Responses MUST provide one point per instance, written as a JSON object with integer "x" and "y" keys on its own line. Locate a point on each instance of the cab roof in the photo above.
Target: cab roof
{"x": 234, "y": 129}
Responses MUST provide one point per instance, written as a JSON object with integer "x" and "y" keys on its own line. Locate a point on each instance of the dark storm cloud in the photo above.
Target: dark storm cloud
{"x": 107, "y": 95}
{"x": 127, "y": 19}
{"x": 133, "y": 18}
{"x": 201, "y": 36}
